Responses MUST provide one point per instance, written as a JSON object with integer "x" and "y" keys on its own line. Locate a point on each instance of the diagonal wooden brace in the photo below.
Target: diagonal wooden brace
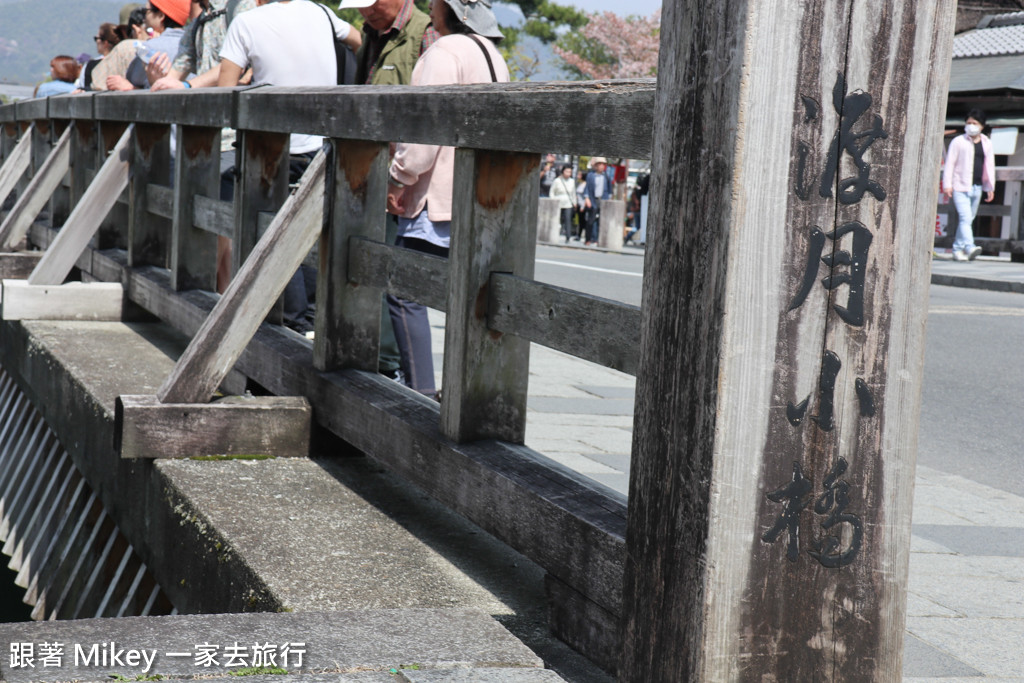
{"x": 15, "y": 165}
{"x": 232, "y": 426}
{"x": 73, "y": 301}
{"x": 85, "y": 219}
{"x": 44, "y": 183}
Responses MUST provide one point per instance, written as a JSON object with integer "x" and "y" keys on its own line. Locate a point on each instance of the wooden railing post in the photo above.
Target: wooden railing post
{"x": 113, "y": 232}
{"x": 60, "y": 206}
{"x": 262, "y": 185}
{"x": 785, "y": 295}
{"x": 494, "y": 229}
{"x": 83, "y": 158}
{"x": 197, "y": 172}
{"x": 149, "y": 236}
{"x": 348, "y": 313}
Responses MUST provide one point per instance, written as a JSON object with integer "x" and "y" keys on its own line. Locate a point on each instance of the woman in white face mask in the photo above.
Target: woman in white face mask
{"x": 970, "y": 170}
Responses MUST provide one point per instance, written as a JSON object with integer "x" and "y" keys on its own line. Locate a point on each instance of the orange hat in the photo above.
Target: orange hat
{"x": 177, "y": 10}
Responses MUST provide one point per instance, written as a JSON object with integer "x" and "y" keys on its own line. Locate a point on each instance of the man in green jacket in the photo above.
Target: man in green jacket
{"x": 394, "y": 36}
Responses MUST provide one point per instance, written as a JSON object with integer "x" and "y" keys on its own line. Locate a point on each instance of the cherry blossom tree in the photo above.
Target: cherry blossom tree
{"x": 610, "y": 46}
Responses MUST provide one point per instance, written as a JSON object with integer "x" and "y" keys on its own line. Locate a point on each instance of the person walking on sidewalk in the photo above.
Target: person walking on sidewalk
{"x": 564, "y": 190}
{"x": 970, "y": 170}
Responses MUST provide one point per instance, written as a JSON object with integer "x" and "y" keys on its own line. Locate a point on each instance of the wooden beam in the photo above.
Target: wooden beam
{"x": 614, "y": 117}
{"x": 348, "y": 317}
{"x": 60, "y": 202}
{"x": 17, "y": 265}
{"x": 782, "y": 349}
{"x": 86, "y": 217}
{"x": 197, "y": 175}
{"x": 588, "y": 327}
{"x": 402, "y": 272}
{"x": 15, "y": 166}
{"x": 494, "y": 228}
{"x": 72, "y": 301}
{"x": 42, "y": 186}
{"x": 232, "y": 426}
{"x": 149, "y": 235}
{"x": 262, "y": 185}
{"x": 223, "y": 337}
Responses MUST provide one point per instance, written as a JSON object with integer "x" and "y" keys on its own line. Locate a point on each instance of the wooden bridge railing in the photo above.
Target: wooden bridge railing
{"x": 159, "y": 241}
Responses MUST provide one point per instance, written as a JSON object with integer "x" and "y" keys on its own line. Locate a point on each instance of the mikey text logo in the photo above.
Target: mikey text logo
{"x": 108, "y": 655}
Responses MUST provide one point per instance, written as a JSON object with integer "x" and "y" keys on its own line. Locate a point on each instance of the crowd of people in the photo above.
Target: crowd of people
{"x": 579, "y": 200}
{"x": 190, "y": 44}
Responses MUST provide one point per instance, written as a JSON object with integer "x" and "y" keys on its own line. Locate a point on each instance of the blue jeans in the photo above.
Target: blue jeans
{"x": 966, "y": 204}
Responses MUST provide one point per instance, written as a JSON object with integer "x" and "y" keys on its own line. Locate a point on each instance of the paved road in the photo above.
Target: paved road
{"x": 972, "y": 404}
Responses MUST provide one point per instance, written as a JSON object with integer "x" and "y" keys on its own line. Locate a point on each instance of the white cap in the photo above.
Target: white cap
{"x": 355, "y": 4}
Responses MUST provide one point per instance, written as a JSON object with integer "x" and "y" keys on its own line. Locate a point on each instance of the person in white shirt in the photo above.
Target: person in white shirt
{"x": 286, "y": 43}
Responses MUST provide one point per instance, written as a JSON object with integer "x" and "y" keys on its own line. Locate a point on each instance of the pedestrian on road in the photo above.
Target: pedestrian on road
{"x": 564, "y": 190}
{"x": 600, "y": 182}
{"x": 970, "y": 169}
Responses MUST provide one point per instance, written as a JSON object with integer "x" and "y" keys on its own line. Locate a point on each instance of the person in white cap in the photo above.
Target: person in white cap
{"x": 599, "y": 187}
{"x": 422, "y": 176}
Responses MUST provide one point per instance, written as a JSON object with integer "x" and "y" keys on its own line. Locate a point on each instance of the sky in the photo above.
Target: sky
{"x": 640, "y": 7}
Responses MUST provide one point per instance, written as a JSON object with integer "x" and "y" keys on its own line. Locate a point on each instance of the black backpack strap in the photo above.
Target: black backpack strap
{"x": 487, "y": 56}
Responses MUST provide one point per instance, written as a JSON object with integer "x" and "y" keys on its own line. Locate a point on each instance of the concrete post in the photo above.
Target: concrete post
{"x": 613, "y": 220}
{"x": 547, "y": 220}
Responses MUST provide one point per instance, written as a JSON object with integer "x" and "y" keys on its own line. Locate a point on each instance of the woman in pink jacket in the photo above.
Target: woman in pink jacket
{"x": 422, "y": 176}
{"x": 970, "y": 169}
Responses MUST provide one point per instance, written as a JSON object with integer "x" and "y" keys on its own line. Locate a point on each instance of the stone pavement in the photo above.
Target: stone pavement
{"x": 965, "y": 613}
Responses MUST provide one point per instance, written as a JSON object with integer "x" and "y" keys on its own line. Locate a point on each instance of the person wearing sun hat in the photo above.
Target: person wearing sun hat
{"x": 423, "y": 176}
{"x": 166, "y": 18}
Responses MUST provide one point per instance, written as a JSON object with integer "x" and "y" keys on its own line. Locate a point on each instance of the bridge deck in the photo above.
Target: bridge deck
{"x": 336, "y": 532}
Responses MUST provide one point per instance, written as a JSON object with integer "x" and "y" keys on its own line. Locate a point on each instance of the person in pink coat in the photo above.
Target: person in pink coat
{"x": 970, "y": 170}
{"x": 422, "y": 176}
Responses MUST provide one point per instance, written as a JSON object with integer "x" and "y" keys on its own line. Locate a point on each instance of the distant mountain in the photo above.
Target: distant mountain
{"x": 32, "y": 32}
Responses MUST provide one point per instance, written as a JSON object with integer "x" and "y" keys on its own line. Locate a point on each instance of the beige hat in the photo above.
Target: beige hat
{"x": 355, "y": 4}
{"x": 594, "y": 161}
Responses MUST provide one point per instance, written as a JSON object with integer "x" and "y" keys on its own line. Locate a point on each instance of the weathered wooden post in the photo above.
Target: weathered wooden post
{"x": 796, "y": 151}
{"x": 113, "y": 232}
{"x": 348, "y": 319}
{"x": 149, "y": 235}
{"x": 197, "y": 174}
{"x": 494, "y": 229}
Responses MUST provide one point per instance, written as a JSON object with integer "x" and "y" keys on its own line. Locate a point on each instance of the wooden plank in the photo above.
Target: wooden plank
{"x": 583, "y": 624}
{"x": 160, "y": 200}
{"x": 213, "y": 215}
{"x": 113, "y": 230}
{"x": 494, "y": 228}
{"x": 348, "y": 317}
{"x": 197, "y": 174}
{"x": 404, "y": 273}
{"x": 236, "y": 425}
{"x": 598, "y": 330}
{"x": 86, "y": 217}
{"x": 72, "y": 301}
{"x": 15, "y": 166}
{"x": 203, "y": 108}
{"x": 223, "y": 337}
{"x": 18, "y": 265}
{"x": 149, "y": 235}
{"x": 769, "y": 537}
{"x": 42, "y": 186}
{"x": 616, "y": 115}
